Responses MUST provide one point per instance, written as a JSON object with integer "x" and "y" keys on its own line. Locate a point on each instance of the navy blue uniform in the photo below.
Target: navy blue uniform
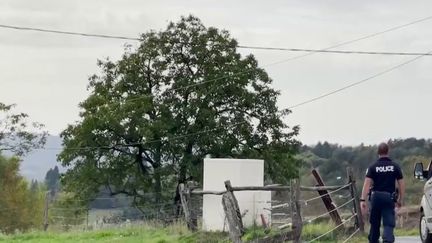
{"x": 384, "y": 174}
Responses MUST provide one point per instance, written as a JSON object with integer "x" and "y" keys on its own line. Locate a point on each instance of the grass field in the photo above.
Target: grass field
{"x": 133, "y": 234}
{"x": 175, "y": 233}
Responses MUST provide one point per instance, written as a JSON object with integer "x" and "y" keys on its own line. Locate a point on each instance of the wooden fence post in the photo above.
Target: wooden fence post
{"x": 327, "y": 200}
{"x": 46, "y": 220}
{"x": 87, "y": 218}
{"x": 232, "y": 214}
{"x": 356, "y": 202}
{"x": 193, "y": 207}
{"x": 297, "y": 221}
{"x": 185, "y": 201}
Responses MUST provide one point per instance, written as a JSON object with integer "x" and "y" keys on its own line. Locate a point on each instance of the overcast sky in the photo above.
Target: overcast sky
{"x": 46, "y": 74}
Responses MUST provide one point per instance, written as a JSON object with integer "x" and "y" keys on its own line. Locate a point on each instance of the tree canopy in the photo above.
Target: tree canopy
{"x": 21, "y": 206}
{"x": 184, "y": 93}
{"x": 17, "y": 134}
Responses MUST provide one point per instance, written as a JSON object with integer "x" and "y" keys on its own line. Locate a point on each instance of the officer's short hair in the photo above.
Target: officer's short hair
{"x": 383, "y": 149}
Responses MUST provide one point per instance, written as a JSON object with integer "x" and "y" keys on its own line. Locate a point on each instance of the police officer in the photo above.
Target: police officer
{"x": 379, "y": 184}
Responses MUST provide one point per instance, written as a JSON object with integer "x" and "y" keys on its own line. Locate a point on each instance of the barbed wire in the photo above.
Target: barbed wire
{"x": 118, "y": 218}
{"x": 68, "y": 208}
{"x": 327, "y": 194}
{"x": 329, "y": 212}
{"x": 164, "y": 193}
{"x": 283, "y": 205}
{"x": 156, "y": 207}
{"x": 330, "y": 231}
{"x": 351, "y": 236}
{"x": 69, "y": 217}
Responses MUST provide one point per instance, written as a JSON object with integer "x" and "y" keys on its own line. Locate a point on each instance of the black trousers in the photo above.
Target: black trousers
{"x": 382, "y": 207}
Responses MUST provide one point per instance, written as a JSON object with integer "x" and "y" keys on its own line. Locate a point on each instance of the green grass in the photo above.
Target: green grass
{"x": 312, "y": 231}
{"x": 179, "y": 233}
{"x": 407, "y": 232}
{"x": 128, "y": 235}
{"x": 256, "y": 232}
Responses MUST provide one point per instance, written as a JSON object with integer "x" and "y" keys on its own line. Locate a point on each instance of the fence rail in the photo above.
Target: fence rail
{"x": 288, "y": 231}
{"x": 290, "y": 213}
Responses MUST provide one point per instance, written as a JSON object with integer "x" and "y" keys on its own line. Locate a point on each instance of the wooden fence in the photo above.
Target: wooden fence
{"x": 288, "y": 232}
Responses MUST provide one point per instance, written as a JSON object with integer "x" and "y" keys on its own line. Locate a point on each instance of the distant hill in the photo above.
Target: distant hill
{"x": 38, "y": 162}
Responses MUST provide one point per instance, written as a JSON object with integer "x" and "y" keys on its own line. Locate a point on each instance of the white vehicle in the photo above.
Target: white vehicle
{"x": 425, "y": 225}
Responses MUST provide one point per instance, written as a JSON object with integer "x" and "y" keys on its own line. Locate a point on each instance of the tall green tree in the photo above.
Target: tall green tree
{"x": 52, "y": 180}
{"x": 17, "y": 134}
{"x": 21, "y": 208}
{"x": 183, "y": 93}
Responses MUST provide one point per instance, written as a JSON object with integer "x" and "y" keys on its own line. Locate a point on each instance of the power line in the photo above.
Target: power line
{"x": 243, "y": 122}
{"x": 275, "y": 63}
{"x": 357, "y": 39}
{"x": 67, "y": 32}
{"x": 240, "y": 46}
{"x": 298, "y": 56}
{"x": 359, "y": 82}
{"x": 336, "y": 51}
{"x": 310, "y": 52}
{"x": 380, "y": 32}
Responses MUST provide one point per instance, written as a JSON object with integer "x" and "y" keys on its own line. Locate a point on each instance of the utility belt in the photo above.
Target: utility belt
{"x": 393, "y": 195}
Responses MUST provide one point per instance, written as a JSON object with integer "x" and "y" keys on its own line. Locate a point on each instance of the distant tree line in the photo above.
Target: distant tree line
{"x": 332, "y": 159}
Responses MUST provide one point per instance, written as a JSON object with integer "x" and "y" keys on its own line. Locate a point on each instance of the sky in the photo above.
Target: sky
{"x": 46, "y": 75}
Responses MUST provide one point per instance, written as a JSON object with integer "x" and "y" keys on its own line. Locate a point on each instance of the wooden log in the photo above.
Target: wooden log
{"x": 356, "y": 202}
{"x": 327, "y": 200}
{"x": 229, "y": 188}
{"x": 234, "y": 224}
{"x": 232, "y": 215}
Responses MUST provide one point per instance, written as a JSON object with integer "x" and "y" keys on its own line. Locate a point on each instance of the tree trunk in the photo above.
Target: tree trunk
{"x": 139, "y": 160}
{"x": 157, "y": 175}
{"x": 183, "y": 170}
{"x": 158, "y": 184}
{"x": 186, "y": 159}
